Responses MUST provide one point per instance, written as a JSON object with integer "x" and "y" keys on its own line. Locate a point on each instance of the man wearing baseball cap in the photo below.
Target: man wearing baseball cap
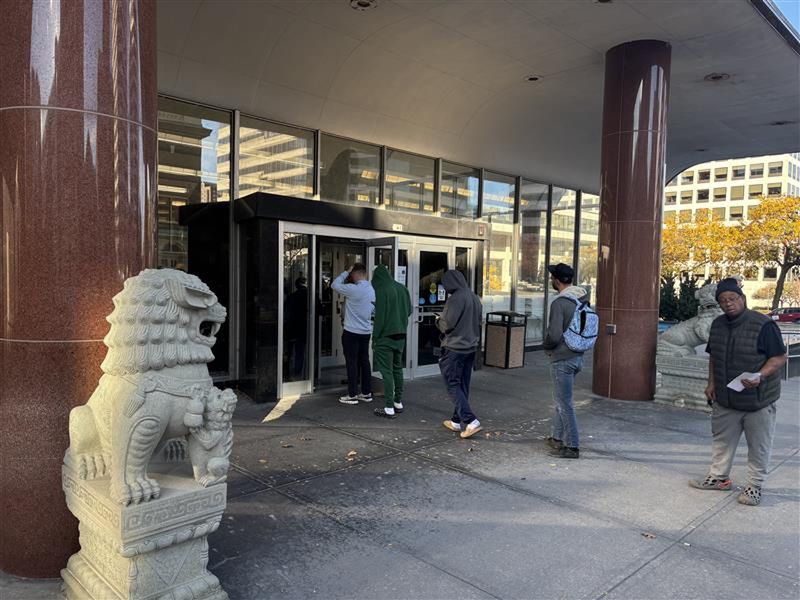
{"x": 747, "y": 345}
{"x": 565, "y": 364}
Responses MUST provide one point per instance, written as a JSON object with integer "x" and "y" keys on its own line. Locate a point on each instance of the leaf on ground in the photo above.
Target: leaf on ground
{"x": 648, "y": 535}
{"x": 262, "y": 460}
{"x": 306, "y": 439}
{"x": 285, "y": 445}
{"x": 352, "y": 455}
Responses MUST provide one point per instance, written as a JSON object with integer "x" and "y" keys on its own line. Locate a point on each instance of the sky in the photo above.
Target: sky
{"x": 791, "y": 10}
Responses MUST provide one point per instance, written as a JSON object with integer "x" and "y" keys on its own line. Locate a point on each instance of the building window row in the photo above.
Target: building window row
{"x": 206, "y": 153}
{"x": 720, "y": 194}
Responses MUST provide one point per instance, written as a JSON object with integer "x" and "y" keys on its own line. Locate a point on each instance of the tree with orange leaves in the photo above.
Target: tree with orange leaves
{"x": 771, "y": 234}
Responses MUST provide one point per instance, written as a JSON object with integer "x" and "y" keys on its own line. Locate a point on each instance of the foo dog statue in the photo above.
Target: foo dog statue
{"x": 155, "y": 395}
{"x": 681, "y": 339}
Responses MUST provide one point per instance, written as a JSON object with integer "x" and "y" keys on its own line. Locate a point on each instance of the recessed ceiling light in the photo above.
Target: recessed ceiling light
{"x": 717, "y": 77}
{"x": 532, "y": 78}
{"x": 363, "y": 4}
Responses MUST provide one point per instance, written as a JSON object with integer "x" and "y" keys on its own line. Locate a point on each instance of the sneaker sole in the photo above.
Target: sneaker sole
{"x": 366, "y": 400}
{"x": 726, "y": 487}
{"x": 470, "y": 432}
{"x": 348, "y": 402}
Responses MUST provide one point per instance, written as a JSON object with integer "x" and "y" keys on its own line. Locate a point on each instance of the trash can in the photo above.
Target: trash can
{"x": 505, "y": 339}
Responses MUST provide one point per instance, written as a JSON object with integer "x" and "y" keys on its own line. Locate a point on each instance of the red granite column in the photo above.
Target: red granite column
{"x": 77, "y": 216}
{"x": 632, "y": 182}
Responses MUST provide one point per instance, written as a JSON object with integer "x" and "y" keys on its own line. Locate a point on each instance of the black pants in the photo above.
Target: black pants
{"x": 356, "y": 357}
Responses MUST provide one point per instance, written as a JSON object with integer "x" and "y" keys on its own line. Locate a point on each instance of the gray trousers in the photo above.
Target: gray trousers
{"x": 727, "y": 426}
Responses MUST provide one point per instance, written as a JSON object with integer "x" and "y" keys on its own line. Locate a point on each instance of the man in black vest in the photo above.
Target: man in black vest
{"x": 742, "y": 341}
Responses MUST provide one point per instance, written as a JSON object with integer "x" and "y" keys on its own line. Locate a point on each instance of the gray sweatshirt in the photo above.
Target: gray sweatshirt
{"x": 561, "y": 312}
{"x": 460, "y": 321}
{"x": 359, "y": 304}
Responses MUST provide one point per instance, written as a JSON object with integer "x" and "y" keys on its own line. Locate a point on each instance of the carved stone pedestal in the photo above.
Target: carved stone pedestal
{"x": 155, "y": 549}
{"x": 683, "y": 381}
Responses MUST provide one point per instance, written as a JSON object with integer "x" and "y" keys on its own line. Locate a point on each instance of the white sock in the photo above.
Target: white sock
{"x": 398, "y": 405}
{"x": 474, "y": 424}
{"x": 388, "y": 411}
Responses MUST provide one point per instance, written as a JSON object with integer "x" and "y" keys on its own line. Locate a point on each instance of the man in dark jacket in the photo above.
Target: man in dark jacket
{"x": 460, "y": 322}
{"x": 392, "y": 309}
{"x": 747, "y": 345}
{"x": 565, "y": 364}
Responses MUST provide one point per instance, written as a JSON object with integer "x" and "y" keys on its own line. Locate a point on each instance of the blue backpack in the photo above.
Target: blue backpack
{"x": 581, "y": 334}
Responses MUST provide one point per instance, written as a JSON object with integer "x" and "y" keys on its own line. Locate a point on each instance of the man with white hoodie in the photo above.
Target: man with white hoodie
{"x": 565, "y": 364}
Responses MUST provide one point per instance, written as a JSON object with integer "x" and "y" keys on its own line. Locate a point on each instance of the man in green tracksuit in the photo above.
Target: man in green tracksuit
{"x": 392, "y": 309}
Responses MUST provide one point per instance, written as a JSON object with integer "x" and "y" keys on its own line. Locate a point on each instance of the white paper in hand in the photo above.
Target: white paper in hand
{"x": 736, "y": 383}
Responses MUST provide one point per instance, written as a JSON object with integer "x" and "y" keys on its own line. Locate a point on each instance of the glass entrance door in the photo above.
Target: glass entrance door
{"x": 335, "y": 256}
{"x": 428, "y": 297}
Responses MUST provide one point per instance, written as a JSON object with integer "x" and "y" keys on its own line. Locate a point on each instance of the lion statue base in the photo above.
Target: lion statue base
{"x": 149, "y": 452}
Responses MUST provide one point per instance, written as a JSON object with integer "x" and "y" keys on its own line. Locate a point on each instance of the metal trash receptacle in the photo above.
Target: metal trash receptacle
{"x": 505, "y": 339}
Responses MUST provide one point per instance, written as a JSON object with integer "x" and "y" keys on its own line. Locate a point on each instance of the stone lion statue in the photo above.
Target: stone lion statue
{"x": 681, "y": 339}
{"x": 155, "y": 394}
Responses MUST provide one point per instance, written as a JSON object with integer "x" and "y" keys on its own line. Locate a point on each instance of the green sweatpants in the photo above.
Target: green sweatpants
{"x": 388, "y": 357}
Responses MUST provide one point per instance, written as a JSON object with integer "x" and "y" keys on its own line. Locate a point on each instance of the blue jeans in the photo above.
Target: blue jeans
{"x": 565, "y": 425}
{"x": 456, "y": 371}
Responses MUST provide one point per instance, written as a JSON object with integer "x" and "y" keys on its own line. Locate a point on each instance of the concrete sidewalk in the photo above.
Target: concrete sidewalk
{"x": 328, "y": 501}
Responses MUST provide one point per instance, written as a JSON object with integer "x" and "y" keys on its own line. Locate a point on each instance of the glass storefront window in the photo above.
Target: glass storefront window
{"x": 532, "y": 269}
{"x": 562, "y": 236}
{"x": 194, "y": 167}
{"x": 296, "y": 306}
{"x": 349, "y": 171}
{"x": 194, "y": 176}
{"x": 275, "y": 158}
{"x": 459, "y": 193}
{"x": 498, "y": 211}
{"x": 409, "y": 183}
{"x": 587, "y": 256}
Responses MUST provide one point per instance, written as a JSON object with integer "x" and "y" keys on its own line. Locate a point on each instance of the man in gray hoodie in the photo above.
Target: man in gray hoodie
{"x": 460, "y": 322}
{"x": 564, "y": 363}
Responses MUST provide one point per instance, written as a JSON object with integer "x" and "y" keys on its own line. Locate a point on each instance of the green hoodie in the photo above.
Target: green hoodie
{"x": 392, "y": 305}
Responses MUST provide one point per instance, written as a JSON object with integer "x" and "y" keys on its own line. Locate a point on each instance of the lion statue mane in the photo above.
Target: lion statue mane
{"x": 683, "y": 338}
{"x": 154, "y": 385}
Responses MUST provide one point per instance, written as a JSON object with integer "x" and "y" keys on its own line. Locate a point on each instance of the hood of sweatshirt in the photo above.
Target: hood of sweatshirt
{"x": 573, "y": 291}
{"x": 380, "y": 278}
{"x": 453, "y": 281}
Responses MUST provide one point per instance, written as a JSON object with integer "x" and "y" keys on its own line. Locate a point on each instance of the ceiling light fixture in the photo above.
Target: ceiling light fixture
{"x": 717, "y": 77}
{"x": 363, "y": 4}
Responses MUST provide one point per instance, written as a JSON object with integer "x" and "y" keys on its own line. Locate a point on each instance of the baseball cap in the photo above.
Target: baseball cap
{"x": 561, "y": 271}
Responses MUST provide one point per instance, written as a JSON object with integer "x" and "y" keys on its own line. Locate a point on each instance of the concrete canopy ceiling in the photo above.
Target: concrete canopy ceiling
{"x": 449, "y": 77}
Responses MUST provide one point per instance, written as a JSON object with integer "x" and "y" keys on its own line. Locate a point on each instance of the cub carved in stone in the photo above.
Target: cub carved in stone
{"x": 210, "y": 434}
{"x": 154, "y": 374}
{"x": 683, "y": 338}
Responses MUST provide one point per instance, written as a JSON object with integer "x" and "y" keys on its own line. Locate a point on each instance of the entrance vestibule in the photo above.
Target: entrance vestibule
{"x": 311, "y": 321}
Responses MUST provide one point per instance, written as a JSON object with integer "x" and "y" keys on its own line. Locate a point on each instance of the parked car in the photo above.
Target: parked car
{"x": 790, "y": 314}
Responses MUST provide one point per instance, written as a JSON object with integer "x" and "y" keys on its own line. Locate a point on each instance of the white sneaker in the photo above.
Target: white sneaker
{"x": 471, "y": 429}
{"x": 398, "y": 407}
{"x": 451, "y": 425}
{"x": 365, "y": 397}
{"x": 349, "y": 399}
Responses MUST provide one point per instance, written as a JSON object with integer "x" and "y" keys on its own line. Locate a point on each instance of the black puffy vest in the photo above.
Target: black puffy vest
{"x": 733, "y": 346}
